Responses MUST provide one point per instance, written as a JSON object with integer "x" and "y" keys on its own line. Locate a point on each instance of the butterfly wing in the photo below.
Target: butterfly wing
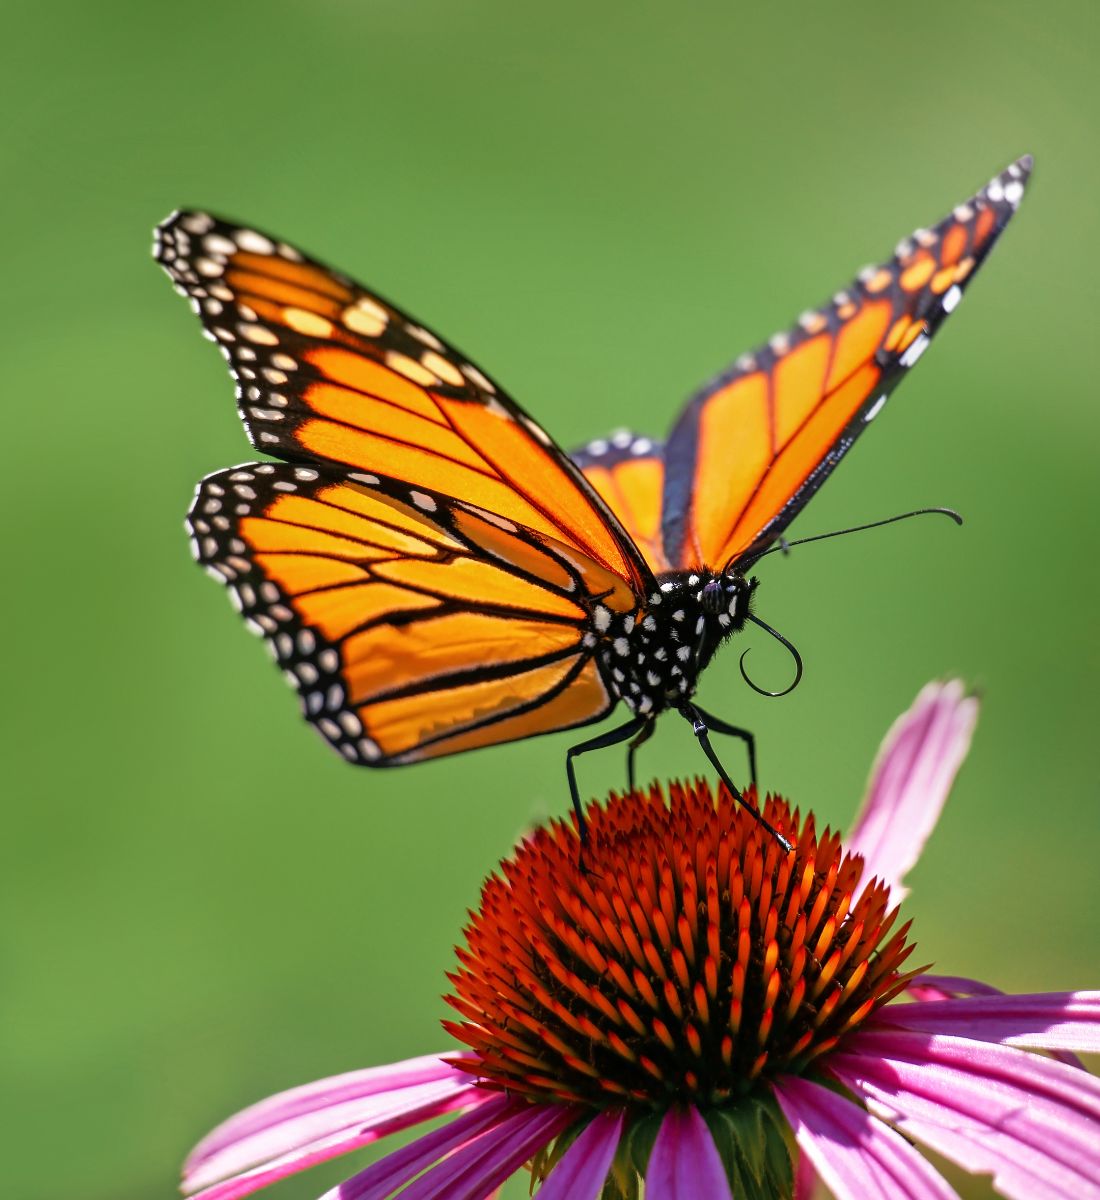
{"x": 329, "y": 372}
{"x": 750, "y": 449}
{"x": 412, "y": 625}
{"x": 628, "y": 472}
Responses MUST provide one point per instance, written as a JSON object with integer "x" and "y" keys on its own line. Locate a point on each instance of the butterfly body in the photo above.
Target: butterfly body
{"x": 433, "y": 573}
{"x": 652, "y": 660}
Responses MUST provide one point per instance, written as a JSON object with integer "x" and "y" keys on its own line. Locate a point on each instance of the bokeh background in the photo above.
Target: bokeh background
{"x": 604, "y": 205}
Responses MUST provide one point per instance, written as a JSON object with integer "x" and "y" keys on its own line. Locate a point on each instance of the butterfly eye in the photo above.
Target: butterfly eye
{"x": 713, "y": 597}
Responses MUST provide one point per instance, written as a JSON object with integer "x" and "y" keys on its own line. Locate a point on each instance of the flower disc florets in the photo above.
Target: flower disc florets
{"x": 682, "y": 957}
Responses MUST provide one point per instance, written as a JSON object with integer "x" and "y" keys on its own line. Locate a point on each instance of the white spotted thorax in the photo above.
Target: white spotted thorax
{"x": 652, "y": 661}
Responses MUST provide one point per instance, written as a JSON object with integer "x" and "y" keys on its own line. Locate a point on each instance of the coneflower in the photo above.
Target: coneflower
{"x": 691, "y": 1006}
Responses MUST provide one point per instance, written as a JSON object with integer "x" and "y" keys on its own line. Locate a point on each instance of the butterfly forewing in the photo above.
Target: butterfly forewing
{"x": 751, "y": 448}
{"x": 411, "y": 625}
{"x": 328, "y": 371}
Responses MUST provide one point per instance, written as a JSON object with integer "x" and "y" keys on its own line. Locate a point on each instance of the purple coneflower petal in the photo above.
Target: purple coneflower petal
{"x": 481, "y": 1166}
{"x": 805, "y": 1179}
{"x": 910, "y": 780}
{"x": 312, "y": 1097}
{"x": 685, "y": 1164}
{"x": 856, "y": 1155}
{"x": 1045, "y": 1021}
{"x": 1034, "y": 1124}
{"x": 582, "y": 1171}
{"x": 385, "y": 1176}
{"x": 316, "y": 1137}
{"x": 955, "y": 987}
{"x": 949, "y": 987}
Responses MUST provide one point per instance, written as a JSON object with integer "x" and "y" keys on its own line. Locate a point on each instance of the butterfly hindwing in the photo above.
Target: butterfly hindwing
{"x": 752, "y": 447}
{"x": 628, "y": 471}
{"x": 410, "y": 624}
{"x": 327, "y": 371}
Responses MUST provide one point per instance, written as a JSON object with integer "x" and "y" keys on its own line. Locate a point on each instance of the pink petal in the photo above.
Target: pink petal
{"x": 582, "y": 1171}
{"x": 685, "y": 1164}
{"x": 910, "y": 781}
{"x": 948, "y": 987}
{"x": 312, "y": 1097}
{"x": 856, "y": 1155}
{"x": 482, "y": 1165}
{"x": 388, "y": 1174}
{"x": 373, "y": 1120}
{"x": 1047, "y": 1021}
{"x": 1032, "y": 1123}
{"x": 805, "y": 1179}
{"x": 954, "y": 987}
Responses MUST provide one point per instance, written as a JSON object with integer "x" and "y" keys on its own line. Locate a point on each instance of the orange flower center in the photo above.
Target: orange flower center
{"x": 683, "y": 959}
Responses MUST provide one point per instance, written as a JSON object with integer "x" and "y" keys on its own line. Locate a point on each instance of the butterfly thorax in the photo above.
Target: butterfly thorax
{"x": 652, "y": 661}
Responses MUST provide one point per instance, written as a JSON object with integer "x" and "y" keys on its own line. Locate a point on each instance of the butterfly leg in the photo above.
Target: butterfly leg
{"x": 611, "y": 738}
{"x": 716, "y": 725}
{"x": 640, "y": 738}
{"x": 699, "y": 728}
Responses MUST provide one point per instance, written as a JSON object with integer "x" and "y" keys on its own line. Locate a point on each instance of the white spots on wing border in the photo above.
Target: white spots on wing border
{"x": 875, "y": 409}
{"x": 618, "y": 446}
{"x": 310, "y": 664}
{"x": 478, "y": 379}
{"x": 914, "y": 350}
{"x": 254, "y": 243}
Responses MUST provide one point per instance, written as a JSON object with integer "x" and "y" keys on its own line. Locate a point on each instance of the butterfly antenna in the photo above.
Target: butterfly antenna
{"x": 783, "y": 545}
{"x": 793, "y": 653}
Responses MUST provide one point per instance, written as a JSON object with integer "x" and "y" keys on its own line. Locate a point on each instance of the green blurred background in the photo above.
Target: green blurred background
{"x": 201, "y": 903}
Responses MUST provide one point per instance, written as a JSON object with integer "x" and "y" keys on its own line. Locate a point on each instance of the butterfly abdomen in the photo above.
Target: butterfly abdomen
{"x": 652, "y": 661}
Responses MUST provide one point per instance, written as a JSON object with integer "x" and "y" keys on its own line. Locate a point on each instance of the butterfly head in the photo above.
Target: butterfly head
{"x": 655, "y": 662}
{"x": 728, "y": 595}
{"x": 724, "y": 603}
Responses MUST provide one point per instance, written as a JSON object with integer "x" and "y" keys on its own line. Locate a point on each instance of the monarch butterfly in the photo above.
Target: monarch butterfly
{"x": 433, "y": 573}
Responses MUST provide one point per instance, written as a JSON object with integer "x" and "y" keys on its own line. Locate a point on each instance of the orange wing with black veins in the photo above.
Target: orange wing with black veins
{"x": 628, "y": 471}
{"x": 327, "y": 371}
{"x": 411, "y": 625}
{"x": 751, "y": 448}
